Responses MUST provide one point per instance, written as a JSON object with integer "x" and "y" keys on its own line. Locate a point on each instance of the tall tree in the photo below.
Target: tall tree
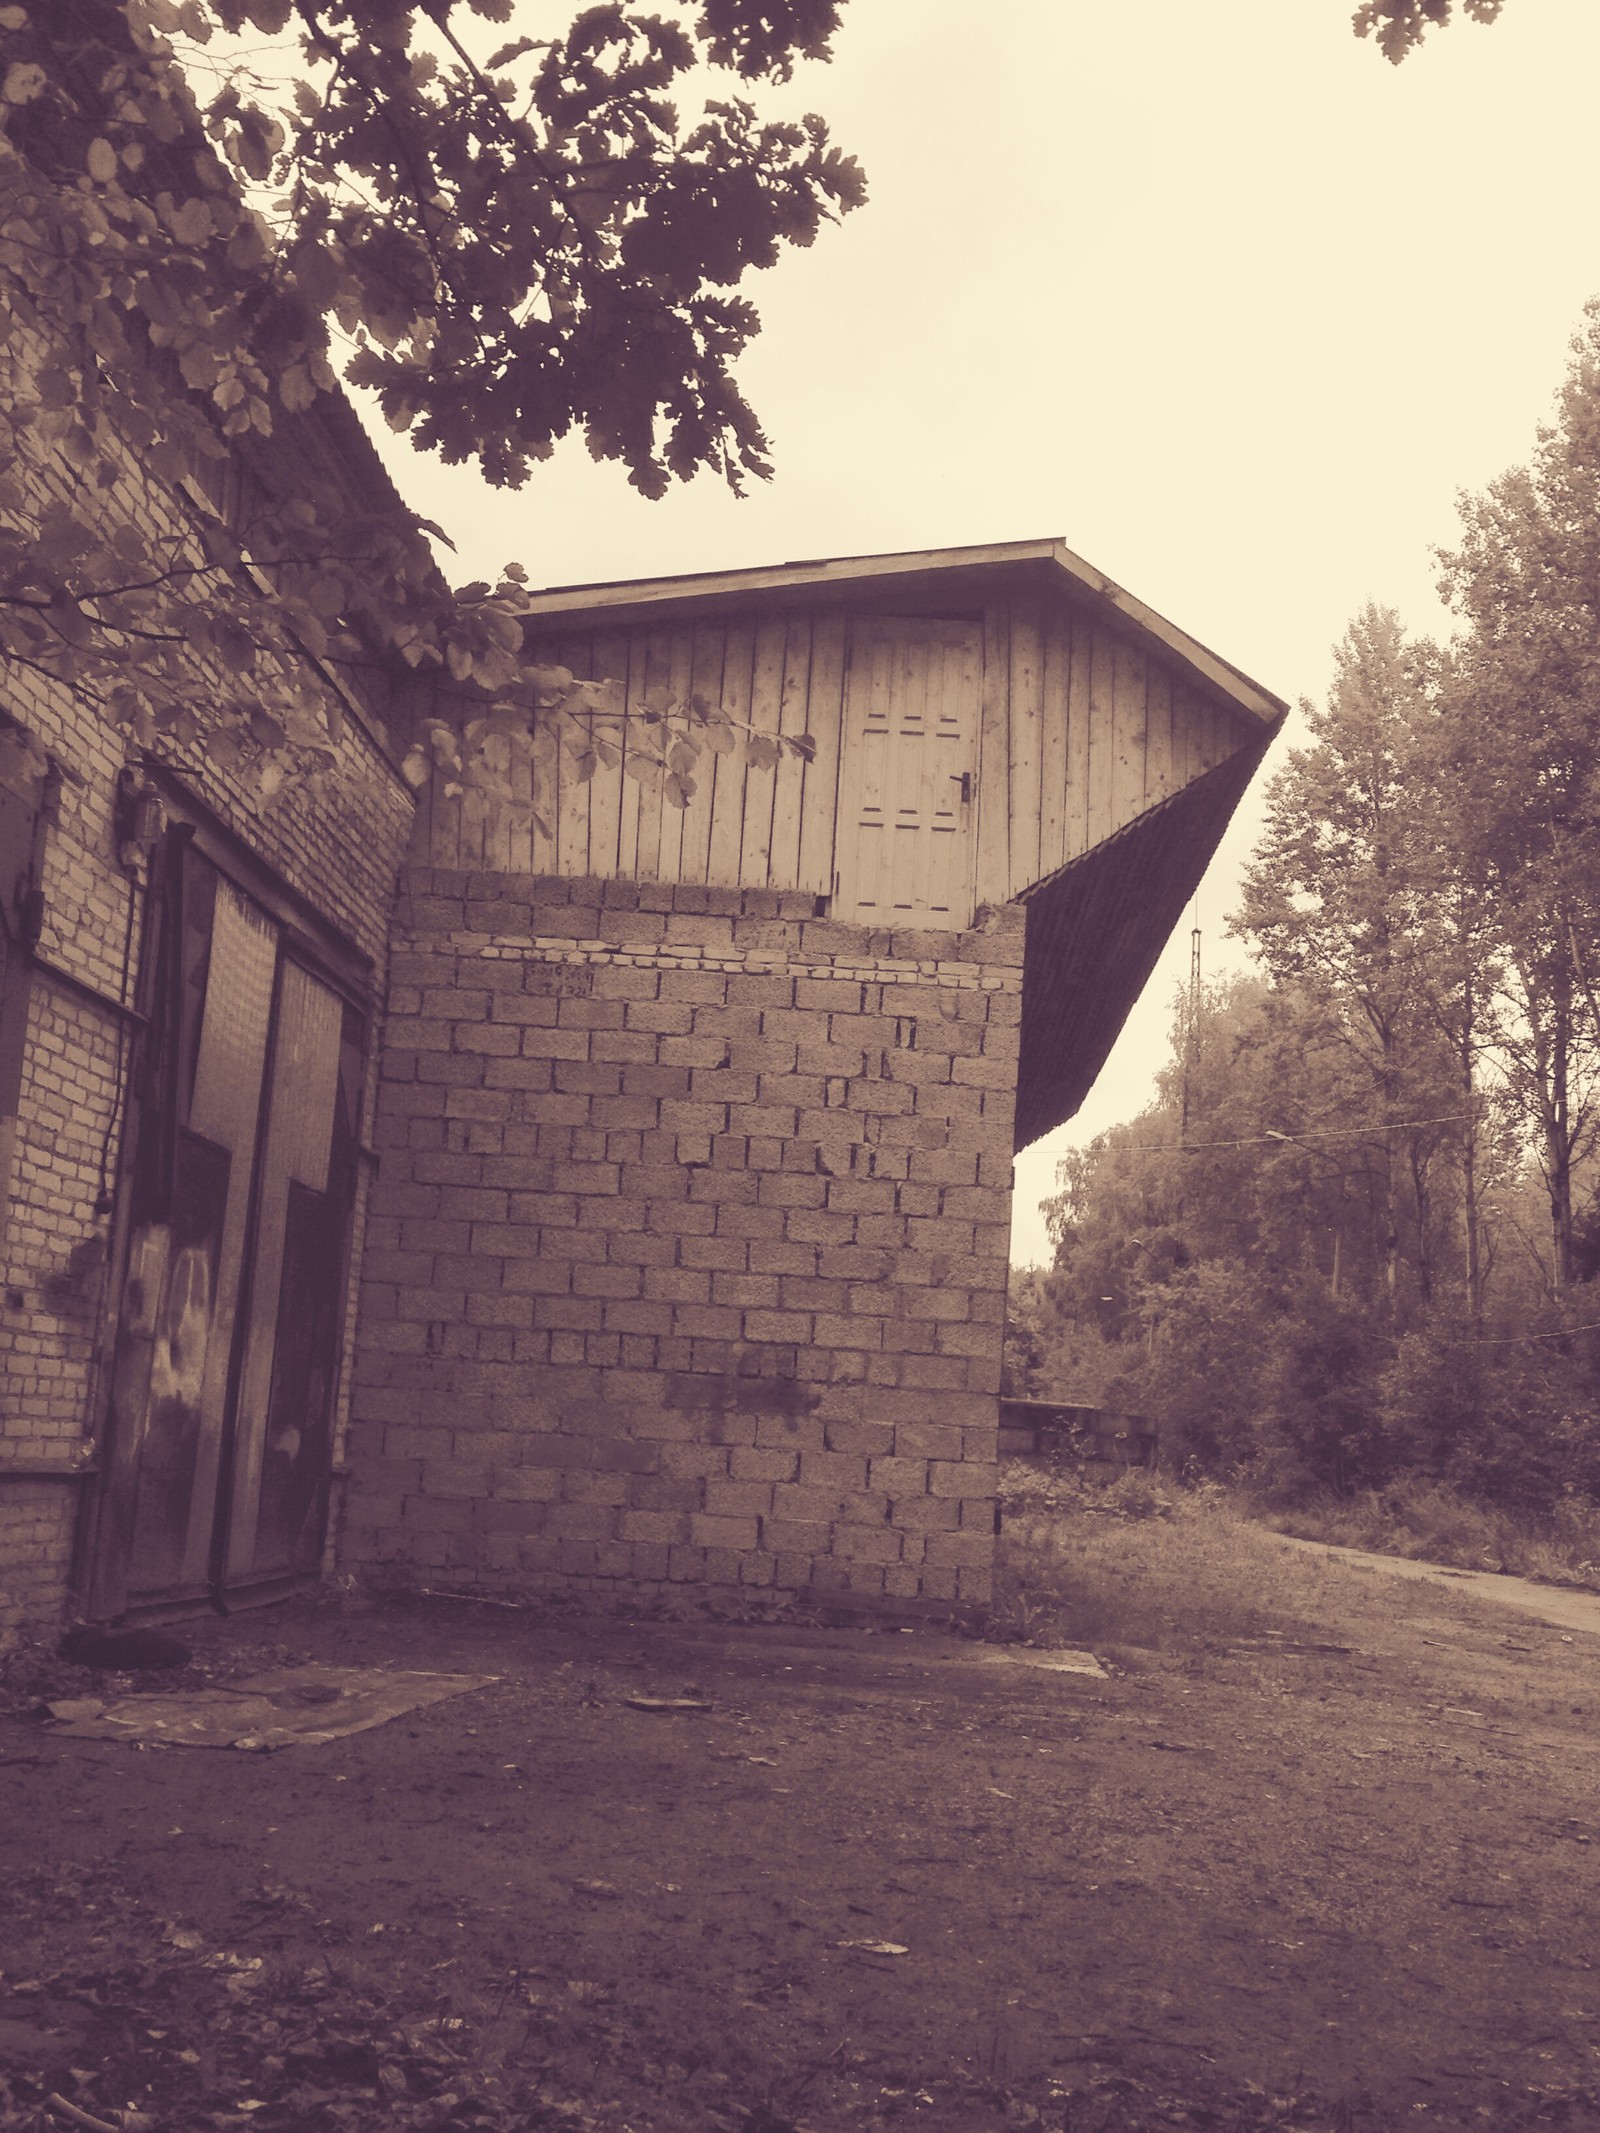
{"x": 1524, "y": 786}
{"x": 1340, "y": 900}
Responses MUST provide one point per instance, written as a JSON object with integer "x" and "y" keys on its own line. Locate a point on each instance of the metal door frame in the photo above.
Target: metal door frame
{"x": 306, "y": 938}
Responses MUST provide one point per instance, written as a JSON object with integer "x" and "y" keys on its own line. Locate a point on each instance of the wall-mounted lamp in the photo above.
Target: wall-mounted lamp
{"x": 139, "y": 817}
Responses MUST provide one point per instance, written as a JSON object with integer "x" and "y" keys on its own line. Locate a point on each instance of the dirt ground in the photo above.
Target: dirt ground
{"x": 1339, "y": 1873}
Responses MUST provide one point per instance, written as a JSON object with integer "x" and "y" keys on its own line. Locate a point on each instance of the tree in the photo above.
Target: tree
{"x": 1523, "y": 717}
{"x": 506, "y": 246}
{"x": 1401, "y": 25}
{"x": 1231, "y": 1268}
{"x": 1345, "y": 897}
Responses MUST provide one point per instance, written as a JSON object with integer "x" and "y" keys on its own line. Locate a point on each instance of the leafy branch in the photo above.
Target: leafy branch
{"x": 508, "y": 248}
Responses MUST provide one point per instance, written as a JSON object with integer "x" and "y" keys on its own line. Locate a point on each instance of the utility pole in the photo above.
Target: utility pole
{"x": 1191, "y": 1035}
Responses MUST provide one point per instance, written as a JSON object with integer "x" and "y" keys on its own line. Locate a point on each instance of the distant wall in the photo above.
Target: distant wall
{"x": 1098, "y": 1440}
{"x": 687, "y": 1254}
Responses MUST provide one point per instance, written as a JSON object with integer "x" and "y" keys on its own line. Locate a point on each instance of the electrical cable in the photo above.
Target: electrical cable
{"x": 1291, "y": 1140}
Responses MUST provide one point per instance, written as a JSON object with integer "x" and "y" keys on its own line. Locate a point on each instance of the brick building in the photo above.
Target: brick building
{"x": 671, "y": 1146}
{"x": 687, "y": 1256}
{"x": 189, "y": 989}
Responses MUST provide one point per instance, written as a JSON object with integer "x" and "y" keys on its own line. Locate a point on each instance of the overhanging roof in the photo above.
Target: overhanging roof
{"x": 952, "y": 576}
{"x": 1097, "y": 927}
{"x": 1096, "y": 931}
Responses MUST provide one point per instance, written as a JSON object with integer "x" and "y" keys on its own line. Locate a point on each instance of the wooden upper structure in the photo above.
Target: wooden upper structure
{"x": 988, "y": 725}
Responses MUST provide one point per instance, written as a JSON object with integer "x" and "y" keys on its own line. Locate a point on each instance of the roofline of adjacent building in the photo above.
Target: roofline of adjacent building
{"x": 703, "y": 589}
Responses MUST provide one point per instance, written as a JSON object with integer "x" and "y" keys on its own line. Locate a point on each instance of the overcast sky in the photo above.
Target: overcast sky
{"x": 1204, "y": 287}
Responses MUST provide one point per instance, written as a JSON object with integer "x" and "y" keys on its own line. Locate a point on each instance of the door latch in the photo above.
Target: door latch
{"x": 964, "y": 780}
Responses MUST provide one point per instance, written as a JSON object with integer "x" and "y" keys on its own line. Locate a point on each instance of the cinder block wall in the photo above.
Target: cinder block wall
{"x": 687, "y": 1254}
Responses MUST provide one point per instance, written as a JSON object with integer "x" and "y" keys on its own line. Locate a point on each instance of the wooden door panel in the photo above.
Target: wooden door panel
{"x": 912, "y": 702}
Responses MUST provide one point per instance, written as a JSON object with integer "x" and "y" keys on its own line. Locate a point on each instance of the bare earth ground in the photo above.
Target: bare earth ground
{"x": 1249, "y": 1880}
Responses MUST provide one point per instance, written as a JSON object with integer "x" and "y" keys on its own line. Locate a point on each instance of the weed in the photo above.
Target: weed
{"x": 1431, "y": 1522}
{"x": 1143, "y": 1565}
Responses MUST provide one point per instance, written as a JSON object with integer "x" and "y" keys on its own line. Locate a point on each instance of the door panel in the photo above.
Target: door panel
{"x": 176, "y": 1267}
{"x": 298, "y": 1145}
{"x": 911, "y": 716}
{"x": 224, "y": 1109}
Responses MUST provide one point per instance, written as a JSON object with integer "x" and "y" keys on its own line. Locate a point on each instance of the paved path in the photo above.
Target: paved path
{"x": 1555, "y": 1604}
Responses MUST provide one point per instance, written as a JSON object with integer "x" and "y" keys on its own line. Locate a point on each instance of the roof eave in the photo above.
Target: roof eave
{"x": 706, "y": 592}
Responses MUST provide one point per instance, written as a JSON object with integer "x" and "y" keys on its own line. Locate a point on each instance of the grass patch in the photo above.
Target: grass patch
{"x": 1145, "y": 1565}
{"x": 1431, "y": 1523}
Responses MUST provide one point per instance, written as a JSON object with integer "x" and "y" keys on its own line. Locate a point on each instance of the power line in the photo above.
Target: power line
{"x": 1517, "y": 1340}
{"x": 1291, "y": 1140}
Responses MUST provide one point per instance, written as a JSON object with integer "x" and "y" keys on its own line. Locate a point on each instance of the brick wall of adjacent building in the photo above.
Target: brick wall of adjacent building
{"x": 686, "y": 1258}
{"x": 336, "y": 841}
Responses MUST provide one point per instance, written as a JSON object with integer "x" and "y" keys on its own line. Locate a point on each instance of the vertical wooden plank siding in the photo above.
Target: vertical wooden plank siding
{"x": 570, "y": 802}
{"x": 608, "y": 661}
{"x": 994, "y": 781}
{"x": 727, "y": 804}
{"x": 760, "y": 779}
{"x": 705, "y": 679}
{"x": 680, "y": 662}
{"x": 628, "y": 788}
{"x": 472, "y": 810}
{"x": 819, "y": 804}
{"x": 1102, "y": 721}
{"x": 1184, "y": 767}
{"x": 788, "y": 786}
{"x": 1079, "y": 732}
{"x": 1055, "y": 689}
{"x": 1207, "y": 725}
{"x": 1025, "y": 724}
{"x": 534, "y": 788}
{"x": 1128, "y": 694}
{"x": 1195, "y": 751}
{"x": 657, "y": 684}
{"x": 1080, "y": 706}
{"x": 1159, "y": 780}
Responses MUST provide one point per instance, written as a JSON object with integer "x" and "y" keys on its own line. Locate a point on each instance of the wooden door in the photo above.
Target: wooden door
{"x": 908, "y": 772}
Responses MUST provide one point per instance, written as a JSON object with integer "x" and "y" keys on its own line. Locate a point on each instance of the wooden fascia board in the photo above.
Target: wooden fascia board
{"x": 1214, "y": 673}
{"x": 719, "y": 589}
{"x": 916, "y": 574}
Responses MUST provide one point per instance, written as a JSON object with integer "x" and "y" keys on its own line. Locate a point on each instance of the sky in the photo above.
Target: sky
{"x": 1205, "y": 288}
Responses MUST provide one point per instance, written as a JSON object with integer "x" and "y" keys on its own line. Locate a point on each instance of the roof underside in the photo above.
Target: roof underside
{"x": 940, "y": 580}
{"x": 1096, "y": 931}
